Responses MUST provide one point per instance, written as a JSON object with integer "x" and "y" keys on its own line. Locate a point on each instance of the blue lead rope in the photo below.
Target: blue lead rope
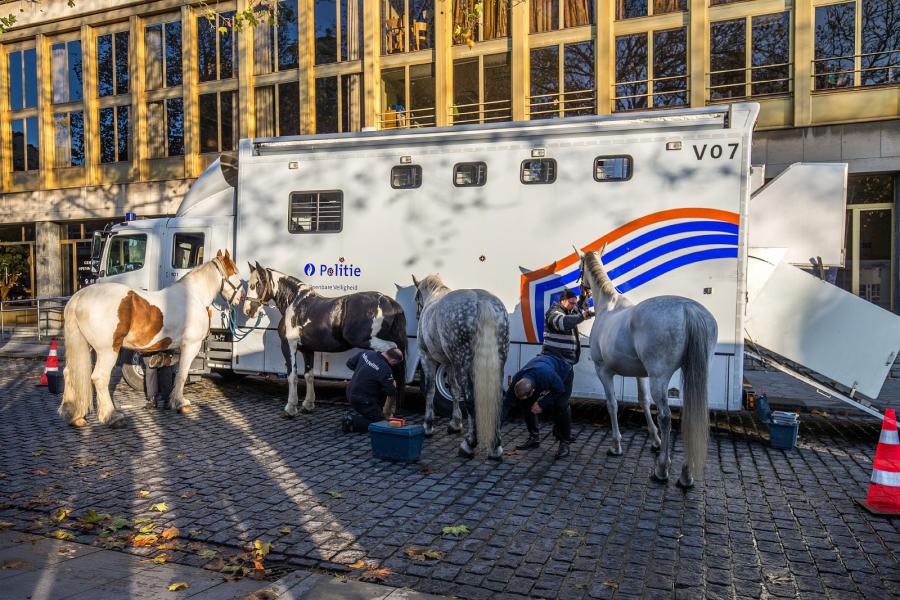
{"x": 228, "y": 317}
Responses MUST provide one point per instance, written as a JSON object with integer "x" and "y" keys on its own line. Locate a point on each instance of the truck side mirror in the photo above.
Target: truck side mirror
{"x": 96, "y": 252}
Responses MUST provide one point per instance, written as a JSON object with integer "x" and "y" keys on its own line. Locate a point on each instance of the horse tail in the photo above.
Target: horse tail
{"x": 78, "y": 392}
{"x": 701, "y": 334}
{"x": 398, "y": 336}
{"x": 486, "y": 375}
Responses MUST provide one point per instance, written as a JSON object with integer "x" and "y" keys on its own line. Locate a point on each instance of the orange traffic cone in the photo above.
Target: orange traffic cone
{"x": 884, "y": 489}
{"x": 52, "y": 363}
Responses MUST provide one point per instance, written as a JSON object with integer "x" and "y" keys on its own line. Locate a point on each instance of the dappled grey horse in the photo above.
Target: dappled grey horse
{"x": 651, "y": 340}
{"x": 468, "y": 332}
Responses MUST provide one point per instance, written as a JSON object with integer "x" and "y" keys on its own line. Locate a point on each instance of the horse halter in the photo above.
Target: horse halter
{"x": 257, "y": 302}
{"x": 234, "y": 288}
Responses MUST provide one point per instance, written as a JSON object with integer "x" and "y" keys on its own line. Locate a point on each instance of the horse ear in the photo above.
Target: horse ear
{"x": 415, "y": 281}
{"x": 219, "y": 253}
{"x": 525, "y": 270}
{"x": 578, "y": 252}
{"x": 250, "y": 265}
{"x": 227, "y": 255}
{"x": 398, "y": 286}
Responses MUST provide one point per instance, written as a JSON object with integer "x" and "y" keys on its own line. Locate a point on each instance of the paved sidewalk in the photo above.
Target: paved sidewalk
{"x": 39, "y": 568}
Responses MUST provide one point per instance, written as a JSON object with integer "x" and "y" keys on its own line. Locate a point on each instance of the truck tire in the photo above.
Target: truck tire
{"x": 443, "y": 395}
{"x": 133, "y": 371}
{"x": 229, "y": 375}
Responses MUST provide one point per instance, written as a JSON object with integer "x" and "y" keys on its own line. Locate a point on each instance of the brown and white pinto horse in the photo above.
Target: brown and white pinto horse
{"x": 107, "y": 317}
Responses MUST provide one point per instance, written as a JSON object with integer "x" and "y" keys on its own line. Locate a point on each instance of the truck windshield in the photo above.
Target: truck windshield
{"x": 126, "y": 253}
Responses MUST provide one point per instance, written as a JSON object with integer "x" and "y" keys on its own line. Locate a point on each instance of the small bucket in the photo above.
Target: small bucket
{"x": 55, "y": 382}
{"x": 783, "y": 437}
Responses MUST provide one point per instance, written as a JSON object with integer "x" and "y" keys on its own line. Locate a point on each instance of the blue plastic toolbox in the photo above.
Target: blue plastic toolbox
{"x": 396, "y": 443}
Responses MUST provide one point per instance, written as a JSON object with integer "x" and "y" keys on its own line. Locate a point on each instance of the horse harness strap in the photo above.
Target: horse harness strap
{"x": 234, "y": 289}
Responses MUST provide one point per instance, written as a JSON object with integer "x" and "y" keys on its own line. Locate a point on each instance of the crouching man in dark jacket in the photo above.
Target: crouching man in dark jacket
{"x": 542, "y": 385}
{"x": 371, "y": 384}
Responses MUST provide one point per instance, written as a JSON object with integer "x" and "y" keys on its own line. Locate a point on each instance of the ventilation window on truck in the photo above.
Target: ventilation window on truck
{"x": 612, "y": 168}
{"x": 406, "y": 177}
{"x": 187, "y": 250}
{"x": 316, "y": 212}
{"x": 469, "y": 174}
{"x": 538, "y": 170}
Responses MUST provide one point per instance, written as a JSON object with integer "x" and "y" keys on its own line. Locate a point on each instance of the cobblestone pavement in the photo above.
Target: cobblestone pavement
{"x": 766, "y": 523}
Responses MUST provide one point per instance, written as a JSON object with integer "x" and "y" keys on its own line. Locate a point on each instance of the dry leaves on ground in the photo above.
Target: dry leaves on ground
{"x": 170, "y": 533}
{"x": 456, "y": 530}
{"x": 611, "y": 583}
{"x": 207, "y": 553}
{"x": 37, "y": 452}
{"x": 189, "y": 494}
{"x": 285, "y": 530}
{"x": 41, "y": 472}
{"x": 144, "y": 540}
{"x": 179, "y": 585}
{"x": 147, "y": 527}
{"x": 421, "y": 553}
{"x": 376, "y": 575}
{"x": 143, "y": 493}
{"x": 159, "y": 507}
{"x": 6, "y": 524}
{"x": 60, "y": 515}
{"x": 15, "y": 564}
{"x": 63, "y": 535}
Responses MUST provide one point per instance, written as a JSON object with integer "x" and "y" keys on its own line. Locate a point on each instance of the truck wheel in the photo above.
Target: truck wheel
{"x": 229, "y": 375}
{"x": 443, "y": 397}
{"x": 133, "y": 371}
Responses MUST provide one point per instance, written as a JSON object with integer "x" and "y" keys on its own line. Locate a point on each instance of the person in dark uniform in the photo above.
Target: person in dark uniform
{"x": 372, "y": 382}
{"x": 540, "y": 386}
{"x": 159, "y": 378}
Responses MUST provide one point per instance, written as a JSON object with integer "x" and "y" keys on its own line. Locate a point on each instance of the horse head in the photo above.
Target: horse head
{"x": 260, "y": 290}
{"x": 231, "y": 286}
{"x": 425, "y": 289}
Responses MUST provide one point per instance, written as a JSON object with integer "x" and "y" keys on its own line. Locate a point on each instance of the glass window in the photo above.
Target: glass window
{"x": 482, "y": 97}
{"x": 112, "y": 64}
{"x": 637, "y": 86}
{"x": 278, "y": 110}
{"x": 406, "y": 177}
{"x": 351, "y": 29}
{"x": 327, "y": 107}
{"x": 326, "y": 31}
{"x": 727, "y": 58}
{"x": 631, "y": 72}
{"x": 215, "y": 47}
{"x": 218, "y": 122}
{"x": 771, "y": 54}
{"x": 480, "y": 20}
{"x": 338, "y": 26}
{"x": 287, "y": 36}
{"x": 612, "y": 168}
{"x": 25, "y": 144}
{"x": 165, "y": 120}
{"x": 187, "y": 250}
{"x": 163, "y": 55}
{"x": 469, "y": 174}
{"x": 670, "y": 67}
{"x": 545, "y": 82}
{"x": 421, "y": 95}
{"x": 339, "y": 103}
{"x": 880, "y": 42}
{"x": 544, "y": 15}
{"x": 578, "y": 79}
{"x": 126, "y": 253}
{"x": 22, "y": 79}
{"x": 835, "y": 45}
{"x": 66, "y": 71}
{"x": 407, "y": 25}
{"x": 114, "y": 134}
{"x": 538, "y": 170}
{"x": 630, "y": 9}
{"x": 497, "y": 87}
{"x": 68, "y": 134}
{"x": 870, "y": 189}
{"x": 316, "y": 212}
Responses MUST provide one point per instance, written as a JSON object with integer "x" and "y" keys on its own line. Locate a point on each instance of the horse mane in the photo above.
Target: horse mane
{"x": 596, "y": 270}
{"x": 431, "y": 283}
{"x": 289, "y": 288}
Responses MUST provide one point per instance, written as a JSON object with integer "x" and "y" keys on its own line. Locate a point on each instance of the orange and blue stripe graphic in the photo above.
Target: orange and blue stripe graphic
{"x": 684, "y": 235}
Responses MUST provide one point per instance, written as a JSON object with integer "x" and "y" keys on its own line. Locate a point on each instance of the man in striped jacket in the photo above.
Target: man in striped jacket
{"x": 561, "y": 339}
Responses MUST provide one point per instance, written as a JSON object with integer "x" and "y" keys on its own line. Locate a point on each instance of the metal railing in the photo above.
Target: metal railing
{"x": 481, "y": 112}
{"x": 37, "y": 315}
{"x": 750, "y": 82}
{"x": 658, "y": 92}
{"x": 561, "y": 104}
{"x": 406, "y": 119}
{"x": 856, "y": 70}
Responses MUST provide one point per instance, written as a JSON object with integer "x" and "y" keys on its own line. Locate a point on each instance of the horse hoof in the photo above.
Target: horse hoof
{"x": 79, "y": 422}
{"x": 467, "y": 455}
{"x": 496, "y": 457}
{"x": 683, "y": 485}
{"x": 452, "y": 431}
{"x": 306, "y": 411}
{"x": 656, "y": 478}
{"x": 612, "y": 452}
{"x": 118, "y": 423}
{"x": 186, "y": 409}
{"x": 286, "y": 415}
{"x": 429, "y": 432}
{"x": 655, "y": 448}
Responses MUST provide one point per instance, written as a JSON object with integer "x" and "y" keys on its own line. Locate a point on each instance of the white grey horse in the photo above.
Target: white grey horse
{"x": 468, "y": 332}
{"x": 651, "y": 340}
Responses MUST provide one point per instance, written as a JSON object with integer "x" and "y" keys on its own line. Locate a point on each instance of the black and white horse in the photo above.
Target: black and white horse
{"x": 468, "y": 331}
{"x": 313, "y": 323}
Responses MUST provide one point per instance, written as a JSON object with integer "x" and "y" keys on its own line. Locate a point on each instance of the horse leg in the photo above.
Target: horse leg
{"x": 456, "y": 420}
{"x": 464, "y": 397}
{"x": 606, "y": 378}
{"x": 309, "y": 402}
{"x": 289, "y": 351}
{"x": 664, "y": 458}
{"x": 106, "y": 410}
{"x": 429, "y": 368}
{"x": 189, "y": 351}
{"x": 644, "y": 400}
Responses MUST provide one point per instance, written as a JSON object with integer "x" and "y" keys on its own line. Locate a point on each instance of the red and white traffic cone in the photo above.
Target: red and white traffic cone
{"x": 52, "y": 363}
{"x": 884, "y": 489}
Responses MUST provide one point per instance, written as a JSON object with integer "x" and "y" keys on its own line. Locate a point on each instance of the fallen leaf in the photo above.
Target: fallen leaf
{"x": 139, "y": 520}
{"x": 569, "y": 533}
{"x": 143, "y": 493}
{"x": 171, "y": 532}
{"x": 15, "y": 564}
{"x": 511, "y": 452}
{"x": 60, "y": 515}
{"x": 582, "y": 586}
{"x": 421, "y": 553}
{"x": 611, "y": 583}
{"x": 207, "y": 553}
{"x": 285, "y": 530}
{"x": 230, "y": 569}
{"x": 215, "y": 565}
{"x": 114, "y": 545}
{"x": 3, "y": 475}
{"x": 6, "y": 524}
{"x": 105, "y": 475}
{"x": 194, "y": 532}
{"x": 117, "y": 523}
{"x": 63, "y": 535}
{"x": 187, "y": 495}
{"x": 148, "y": 528}
{"x": 41, "y": 472}
{"x": 168, "y": 546}
{"x": 37, "y": 452}
{"x": 92, "y": 517}
{"x": 375, "y": 575}
{"x": 334, "y": 494}
{"x": 258, "y": 565}
{"x": 360, "y": 564}
{"x": 456, "y": 530}
{"x": 261, "y": 549}
{"x": 180, "y": 585}
{"x": 144, "y": 540}
{"x": 161, "y": 559}
{"x": 181, "y": 456}
{"x": 159, "y": 507}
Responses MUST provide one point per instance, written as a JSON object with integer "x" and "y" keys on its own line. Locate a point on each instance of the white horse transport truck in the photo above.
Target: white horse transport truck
{"x": 671, "y": 195}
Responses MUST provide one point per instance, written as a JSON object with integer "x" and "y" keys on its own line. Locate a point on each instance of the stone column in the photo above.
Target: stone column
{"x": 48, "y": 262}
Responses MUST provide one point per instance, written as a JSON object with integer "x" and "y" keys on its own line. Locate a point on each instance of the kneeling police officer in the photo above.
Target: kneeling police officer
{"x": 372, "y": 382}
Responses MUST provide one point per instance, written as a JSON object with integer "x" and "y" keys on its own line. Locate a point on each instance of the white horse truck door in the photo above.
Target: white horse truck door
{"x": 130, "y": 258}
{"x": 186, "y": 248}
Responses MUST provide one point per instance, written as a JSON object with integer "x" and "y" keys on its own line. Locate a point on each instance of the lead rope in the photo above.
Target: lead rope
{"x": 228, "y": 318}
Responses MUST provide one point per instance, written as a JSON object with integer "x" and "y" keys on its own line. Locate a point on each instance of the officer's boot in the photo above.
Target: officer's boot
{"x": 564, "y": 433}
{"x": 534, "y": 437}
{"x": 572, "y": 436}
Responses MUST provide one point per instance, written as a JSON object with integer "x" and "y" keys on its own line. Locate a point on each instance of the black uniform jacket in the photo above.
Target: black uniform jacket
{"x": 372, "y": 378}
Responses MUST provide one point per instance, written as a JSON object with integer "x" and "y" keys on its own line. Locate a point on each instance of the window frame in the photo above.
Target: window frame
{"x": 175, "y": 235}
{"x": 128, "y": 235}
{"x": 415, "y": 169}
{"x": 627, "y": 157}
{"x": 318, "y": 200}
{"x": 477, "y": 163}
{"x": 551, "y": 161}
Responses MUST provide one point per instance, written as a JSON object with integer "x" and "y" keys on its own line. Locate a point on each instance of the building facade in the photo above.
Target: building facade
{"x": 116, "y": 106}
